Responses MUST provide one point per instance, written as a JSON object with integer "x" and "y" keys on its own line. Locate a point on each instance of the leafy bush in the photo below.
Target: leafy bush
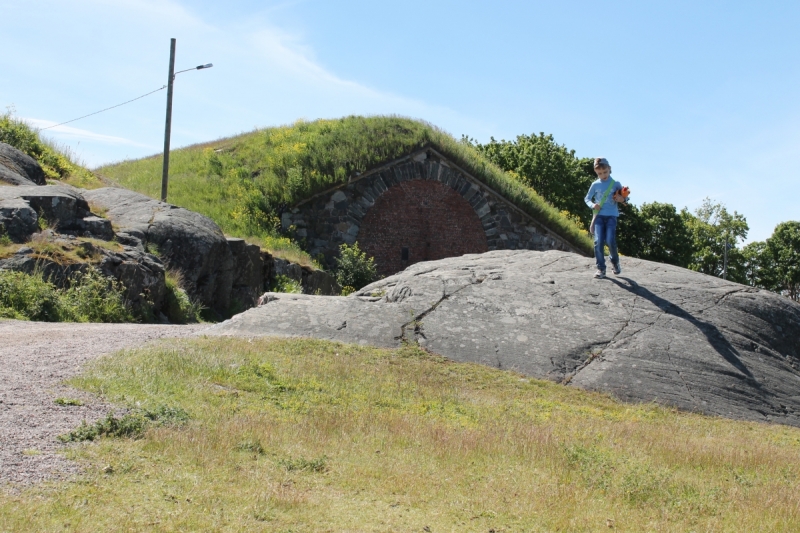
{"x": 286, "y": 284}
{"x": 28, "y": 297}
{"x": 353, "y": 267}
{"x": 90, "y": 297}
{"x": 64, "y": 402}
{"x": 318, "y": 465}
{"x": 5, "y": 240}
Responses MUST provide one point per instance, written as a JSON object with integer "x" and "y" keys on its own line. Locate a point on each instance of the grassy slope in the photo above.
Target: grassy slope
{"x": 56, "y": 161}
{"x": 232, "y": 180}
{"x": 300, "y": 435}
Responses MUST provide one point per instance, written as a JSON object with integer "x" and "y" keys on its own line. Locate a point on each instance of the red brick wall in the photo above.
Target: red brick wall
{"x": 429, "y": 218}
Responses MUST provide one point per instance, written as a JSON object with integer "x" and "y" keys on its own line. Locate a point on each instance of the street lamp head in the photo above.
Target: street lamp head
{"x": 207, "y": 65}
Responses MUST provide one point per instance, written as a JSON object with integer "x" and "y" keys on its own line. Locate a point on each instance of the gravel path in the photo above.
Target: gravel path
{"x": 35, "y": 358}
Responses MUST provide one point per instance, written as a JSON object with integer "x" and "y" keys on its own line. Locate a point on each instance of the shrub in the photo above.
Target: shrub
{"x": 90, "y": 297}
{"x": 28, "y": 297}
{"x": 353, "y": 267}
{"x": 5, "y": 240}
{"x": 318, "y": 465}
{"x": 286, "y": 284}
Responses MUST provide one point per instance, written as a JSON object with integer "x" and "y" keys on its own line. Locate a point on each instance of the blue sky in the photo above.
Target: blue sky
{"x": 686, "y": 99}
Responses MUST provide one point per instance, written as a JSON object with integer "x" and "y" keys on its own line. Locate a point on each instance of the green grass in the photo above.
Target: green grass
{"x": 90, "y": 297}
{"x": 57, "y": 162}
{"x": 301, "y": 435}
{"x": 240, "y": 182}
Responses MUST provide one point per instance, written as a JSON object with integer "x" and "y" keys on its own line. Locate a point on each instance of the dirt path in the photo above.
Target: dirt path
{"x": 35, "y": 358}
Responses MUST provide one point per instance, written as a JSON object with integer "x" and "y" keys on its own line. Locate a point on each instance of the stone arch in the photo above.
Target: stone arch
{"x": 419, "y": 220}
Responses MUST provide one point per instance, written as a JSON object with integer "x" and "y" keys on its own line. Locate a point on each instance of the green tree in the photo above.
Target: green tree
{"x": 656, "y": 232}
{"x": 712, "y": 228}
{"x": 548, "y": 167}
{"x": 784, "y": 249}
{"x": 758, "y": 267}
{"x": 632, "y": 230}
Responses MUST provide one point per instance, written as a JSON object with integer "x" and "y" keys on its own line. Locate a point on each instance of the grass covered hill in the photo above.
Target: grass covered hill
{"x": 243, "y": 182}
{"x": 233, "y": 434}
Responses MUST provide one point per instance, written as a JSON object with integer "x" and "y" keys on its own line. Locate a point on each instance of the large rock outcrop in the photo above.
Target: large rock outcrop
{"x": 18, "y": 168}
{"x": 655, "y": 333}
{"x": 62, "y": 207}
{"x": 185, "y": 240}
{"x": 224, "y": 274}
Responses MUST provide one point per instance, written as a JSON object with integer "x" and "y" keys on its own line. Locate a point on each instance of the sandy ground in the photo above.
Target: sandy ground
{"x": 35, "y": 359}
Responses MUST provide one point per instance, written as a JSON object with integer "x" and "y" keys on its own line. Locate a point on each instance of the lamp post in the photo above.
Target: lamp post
{"x": 168, "y": 126}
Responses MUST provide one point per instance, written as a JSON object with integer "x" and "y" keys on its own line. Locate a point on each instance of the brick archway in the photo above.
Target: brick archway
{"x": 419, "y": 221}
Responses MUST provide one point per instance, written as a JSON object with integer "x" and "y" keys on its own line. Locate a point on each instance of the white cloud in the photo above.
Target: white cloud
{"x": 289, "y": 53}
{"x": 81, "y": 134}
{"x": 163, "y": 10}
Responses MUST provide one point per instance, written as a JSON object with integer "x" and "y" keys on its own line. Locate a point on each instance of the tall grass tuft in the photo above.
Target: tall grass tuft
{"x": 180, "y": 308}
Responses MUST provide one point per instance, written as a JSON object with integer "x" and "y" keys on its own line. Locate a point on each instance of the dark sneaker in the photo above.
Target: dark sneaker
{"x": 599, "y": 274}
{"x": 616, "y": 269}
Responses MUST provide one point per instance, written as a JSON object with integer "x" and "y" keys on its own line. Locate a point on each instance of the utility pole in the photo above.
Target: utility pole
{"x": 725, "y": 258}
{"x": 168, "y": 127}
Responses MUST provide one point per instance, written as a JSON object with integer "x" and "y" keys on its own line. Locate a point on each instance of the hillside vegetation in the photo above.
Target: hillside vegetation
{"x": 56, "y": 161}
{"x": 302, "y": 435}
{"x": 243, "y": 182}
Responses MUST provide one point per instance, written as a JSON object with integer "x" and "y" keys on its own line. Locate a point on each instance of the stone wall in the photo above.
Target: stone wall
{"x": 345, "y": 214}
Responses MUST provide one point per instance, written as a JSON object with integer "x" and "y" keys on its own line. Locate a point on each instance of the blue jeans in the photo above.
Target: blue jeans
{"x": 605, "y": 233}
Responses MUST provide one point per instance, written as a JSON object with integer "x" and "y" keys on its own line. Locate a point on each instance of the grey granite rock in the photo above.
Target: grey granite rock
{"x": 14, "y": 162}
{"x": 185, "y": 240}
{"x": 9, "y": 177}
{"x": 62, "y": 206}
{"x": 17, "y": 219}
{"x": 656, "y": 333}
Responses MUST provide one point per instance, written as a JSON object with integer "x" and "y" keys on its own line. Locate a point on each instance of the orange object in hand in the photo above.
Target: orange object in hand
{"x": 623, "y": 194}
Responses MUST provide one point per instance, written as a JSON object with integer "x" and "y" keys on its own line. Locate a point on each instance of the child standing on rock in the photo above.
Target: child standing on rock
{"x": 602, "y": 198}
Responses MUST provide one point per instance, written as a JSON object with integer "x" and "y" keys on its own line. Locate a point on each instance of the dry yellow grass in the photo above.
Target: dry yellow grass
{"x": 299, "y": 435}
{"x": 60, "y": 250}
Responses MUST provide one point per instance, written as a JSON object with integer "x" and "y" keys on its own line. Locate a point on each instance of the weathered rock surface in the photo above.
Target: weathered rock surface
{"x": 186, "y": 241}
{"x": 62, "y": 207}
{"x": 655, "y": 333}
{"x": 17, "y": 219}
{"x": 9, "y": 177}
{"x": 18, "y": 168}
